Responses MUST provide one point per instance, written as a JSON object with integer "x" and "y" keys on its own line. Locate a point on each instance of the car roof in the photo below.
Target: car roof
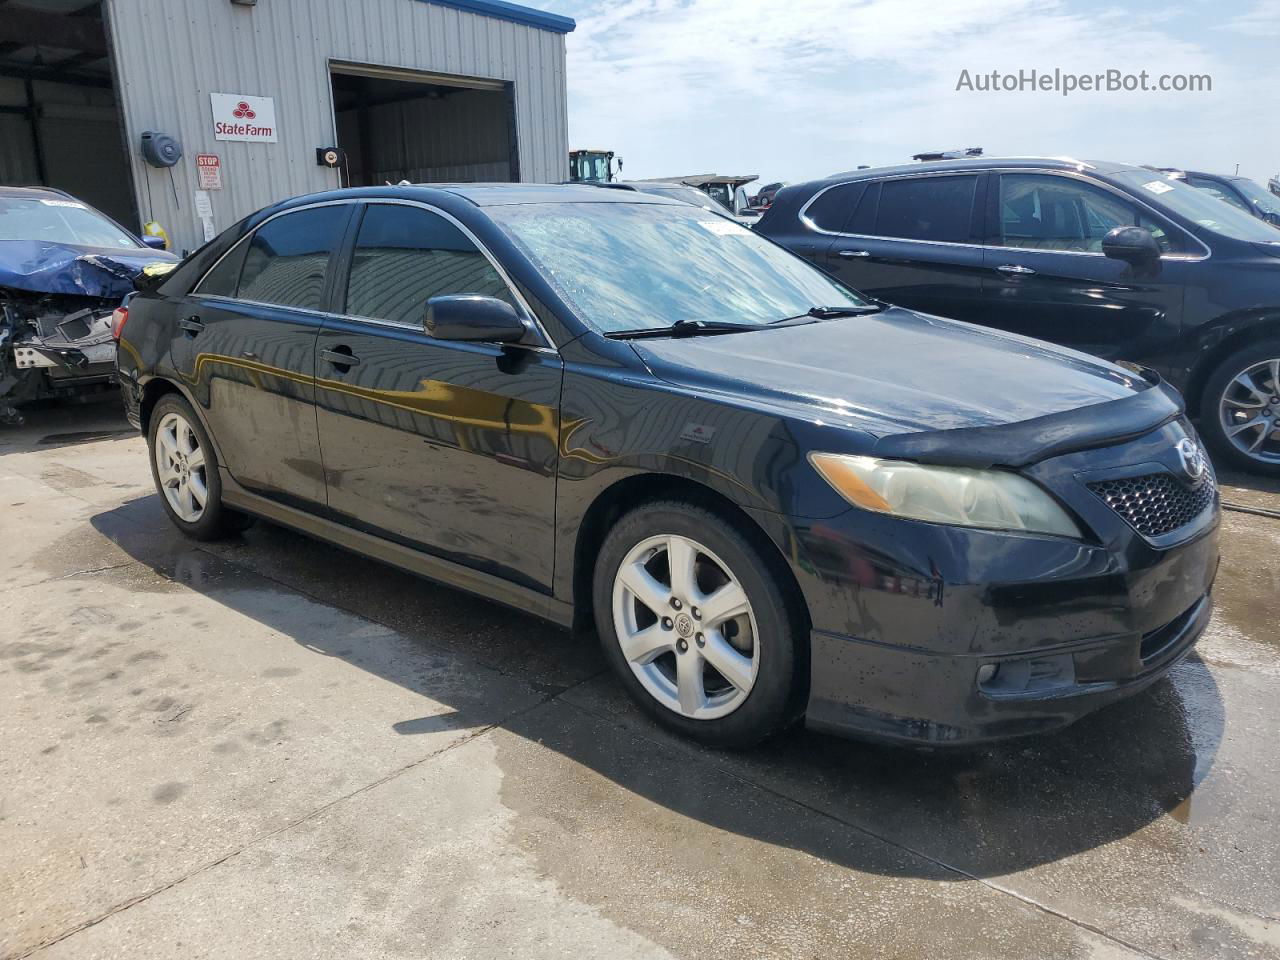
{"x": 505, "y": 194}
{"x": 33, "y": 192}
{"x": 979, "y": 163}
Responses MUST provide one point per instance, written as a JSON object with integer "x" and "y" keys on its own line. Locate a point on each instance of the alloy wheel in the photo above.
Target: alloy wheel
{"x": 686, "y": 627}
{"x": 180, "y": 465}
{"x": 1250, "y": 411}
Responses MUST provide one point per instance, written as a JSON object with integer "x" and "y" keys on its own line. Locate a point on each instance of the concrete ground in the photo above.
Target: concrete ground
{"x": 270, "y": 748}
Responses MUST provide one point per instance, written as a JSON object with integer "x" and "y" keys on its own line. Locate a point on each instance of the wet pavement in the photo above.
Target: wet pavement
{"x": 271, "y": 748}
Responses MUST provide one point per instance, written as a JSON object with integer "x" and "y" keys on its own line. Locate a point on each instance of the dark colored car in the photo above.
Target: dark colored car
{"x": 1113, "y": 260}
{"x": 64, "y": 267}
{"x": 773, "y": 498}
{"x": 1240, "y": 192}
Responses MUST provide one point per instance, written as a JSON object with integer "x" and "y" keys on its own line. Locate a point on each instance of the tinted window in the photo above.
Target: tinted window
{"x": 288, "y": 259}
{"x": 927, "y": 208}
{"x": 1057, "y": 213}
{"x": 404, "y": 256}
{"x": 832, "y": 208}
{"x": 221, "y": 281}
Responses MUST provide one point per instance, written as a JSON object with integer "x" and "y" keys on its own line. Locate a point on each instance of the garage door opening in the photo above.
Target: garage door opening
{"x": 424, "y": 128}
{"x": 60, "y": 123}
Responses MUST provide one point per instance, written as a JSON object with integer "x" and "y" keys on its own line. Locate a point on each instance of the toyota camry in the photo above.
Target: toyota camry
{"x": 773, "y": 498}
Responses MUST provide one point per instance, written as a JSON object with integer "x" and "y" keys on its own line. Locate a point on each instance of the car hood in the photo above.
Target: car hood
{"x": 896, "y": 372}
{"x": 41, "y": 267}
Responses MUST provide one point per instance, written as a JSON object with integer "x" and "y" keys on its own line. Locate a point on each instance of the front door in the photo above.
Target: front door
{"x": 246, "y": 346}
{"x": 1047, "y": 277}
{"x": 445, "y": 446}
{"x": 915, "y": 242}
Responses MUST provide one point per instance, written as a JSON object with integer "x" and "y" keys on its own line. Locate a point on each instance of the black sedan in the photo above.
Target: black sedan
{"x": 773, "y": 498}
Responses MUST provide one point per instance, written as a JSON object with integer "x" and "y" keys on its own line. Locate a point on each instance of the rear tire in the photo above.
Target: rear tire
{"x": 698, "y": 626}
{"x": 184, "y": 467}
{"x": 1240, "y": 409}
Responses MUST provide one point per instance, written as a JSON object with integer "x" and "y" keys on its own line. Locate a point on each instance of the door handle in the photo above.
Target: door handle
{"x": 1015, "y": 268}
{"x": 192, "y": 325}
{"x": 851, "y": 254}
{"x": 341, "y": 357}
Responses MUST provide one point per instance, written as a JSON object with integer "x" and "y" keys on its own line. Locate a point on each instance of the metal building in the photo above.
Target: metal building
{"x": 272, "y": 98}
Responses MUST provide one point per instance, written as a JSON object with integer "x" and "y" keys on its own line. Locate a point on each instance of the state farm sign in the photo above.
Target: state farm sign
{"x": 237, "y": 117}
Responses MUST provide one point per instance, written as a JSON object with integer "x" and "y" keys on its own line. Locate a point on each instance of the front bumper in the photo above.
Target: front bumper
{"x": 946, "y": 635}
{"x": 895, "y": 693}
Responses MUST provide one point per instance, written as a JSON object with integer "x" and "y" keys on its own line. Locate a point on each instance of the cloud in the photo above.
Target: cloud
{"x": 807, "y": 87}
{"x": 1262, "y": 21}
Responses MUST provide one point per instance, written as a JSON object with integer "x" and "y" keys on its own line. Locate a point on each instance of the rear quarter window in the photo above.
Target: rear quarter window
{"x": 832, "y": 209}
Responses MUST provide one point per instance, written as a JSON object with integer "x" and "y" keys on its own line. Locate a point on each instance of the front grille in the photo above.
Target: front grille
{"x": 1157, "y": 503}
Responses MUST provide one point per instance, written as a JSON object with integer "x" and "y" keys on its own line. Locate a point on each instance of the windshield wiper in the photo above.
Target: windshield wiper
{"x": 827, "y": 313}
{"x": 684, "y": 328}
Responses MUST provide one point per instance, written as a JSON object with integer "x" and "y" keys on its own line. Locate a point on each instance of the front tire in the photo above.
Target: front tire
{"x": 184, "y": 467}
{"x": 697, "y": 625}
{"x": 1240, "y": 409}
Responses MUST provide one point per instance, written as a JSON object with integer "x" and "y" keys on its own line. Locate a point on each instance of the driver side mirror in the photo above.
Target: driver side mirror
{"x": 155, "y": 243}
{"x": 471, "y": 317}
{"x": 1133, "y": 245}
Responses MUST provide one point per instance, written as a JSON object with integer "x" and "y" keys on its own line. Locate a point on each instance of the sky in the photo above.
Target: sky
{"x": 797, "y": 89}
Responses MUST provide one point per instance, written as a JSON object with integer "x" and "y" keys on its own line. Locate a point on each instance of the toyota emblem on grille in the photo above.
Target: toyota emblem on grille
{"x": 1192, "y": 458}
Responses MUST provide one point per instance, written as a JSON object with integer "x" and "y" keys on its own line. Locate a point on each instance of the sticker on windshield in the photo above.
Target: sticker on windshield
{"x": 724, "y": 228}
{"x": 1157, "y": 186}
{"x": 63, "y": 203}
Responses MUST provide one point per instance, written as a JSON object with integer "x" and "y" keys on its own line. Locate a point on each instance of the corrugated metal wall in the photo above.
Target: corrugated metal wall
{"x": 171, "y": 54}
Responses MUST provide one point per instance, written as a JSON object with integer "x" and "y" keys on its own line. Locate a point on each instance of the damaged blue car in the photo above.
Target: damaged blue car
{"x": 64, "y": 267}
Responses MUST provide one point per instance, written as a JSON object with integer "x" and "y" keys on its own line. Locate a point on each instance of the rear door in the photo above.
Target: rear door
{"x": 246, "y": 346}
{"x": 1047, "y": 276}
{"x": 915, "y": 241}
{"x": 445, "y": 446}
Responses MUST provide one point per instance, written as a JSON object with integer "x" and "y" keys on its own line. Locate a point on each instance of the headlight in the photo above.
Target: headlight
{"x": 992, "y": 499}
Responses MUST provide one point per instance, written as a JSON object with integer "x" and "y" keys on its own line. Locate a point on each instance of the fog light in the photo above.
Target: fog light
{"x": 987, "y": 672}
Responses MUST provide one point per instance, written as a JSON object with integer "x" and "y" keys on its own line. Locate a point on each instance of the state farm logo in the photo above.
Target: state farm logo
{"x": 239, "y": 116}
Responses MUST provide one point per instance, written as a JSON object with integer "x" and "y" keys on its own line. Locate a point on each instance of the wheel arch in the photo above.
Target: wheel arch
{"x": 1216, "y": 346}
{"x": 152, "y": 391}
{"x": 632, "y": 491}
{"x": 156, "y": 389}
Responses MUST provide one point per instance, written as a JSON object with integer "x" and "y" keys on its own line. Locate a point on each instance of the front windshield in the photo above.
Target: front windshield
{"x": 638, "y": 266}
{"x": 1261, "y": 200}
{"x": 1198, "y": 206}
{"x": 55, "y": 220}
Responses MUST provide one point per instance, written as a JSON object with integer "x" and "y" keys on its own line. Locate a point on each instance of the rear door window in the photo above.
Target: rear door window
{"x": 1041, "y": 212}
{"x": 404, "y": 256}
{"x": 832, "y": 209}
{"x": 938, "y": 209}
{"x": 288, "y": 260}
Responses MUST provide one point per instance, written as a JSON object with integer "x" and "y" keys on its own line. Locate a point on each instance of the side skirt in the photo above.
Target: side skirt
{"x": 414, "y": 561}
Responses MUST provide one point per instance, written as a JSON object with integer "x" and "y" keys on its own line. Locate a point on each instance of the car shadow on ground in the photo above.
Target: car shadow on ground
{"x": 951, "y": 815}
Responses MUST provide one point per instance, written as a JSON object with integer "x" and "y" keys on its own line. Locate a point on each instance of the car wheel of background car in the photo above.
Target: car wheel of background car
{"x": 1240, "y": 412}
{"x": 185, "y": 469}
{"x": 696, "y": 625}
